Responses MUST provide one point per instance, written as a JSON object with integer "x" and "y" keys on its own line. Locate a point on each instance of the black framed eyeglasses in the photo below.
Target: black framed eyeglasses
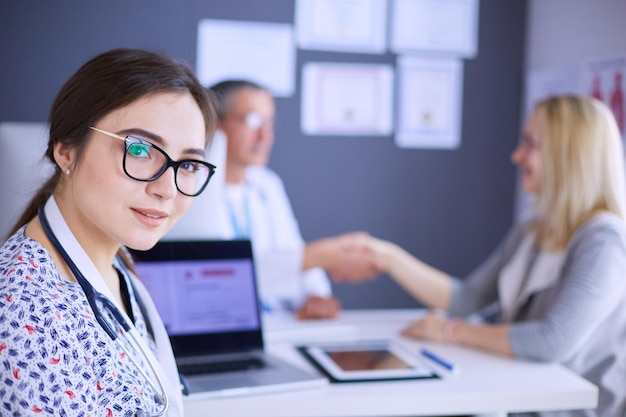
{"x": 146, "y": 162}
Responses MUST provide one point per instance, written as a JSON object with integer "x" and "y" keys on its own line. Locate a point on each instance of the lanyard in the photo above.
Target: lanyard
{"x": 243, "y": 229}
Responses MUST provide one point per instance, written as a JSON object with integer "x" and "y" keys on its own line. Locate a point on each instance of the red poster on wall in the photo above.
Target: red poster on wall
{"x": 604, "y": 80}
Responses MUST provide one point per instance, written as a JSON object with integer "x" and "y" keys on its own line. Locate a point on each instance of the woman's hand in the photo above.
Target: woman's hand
{"x": 436, "y": 327}
{"x": 431, "y": 327}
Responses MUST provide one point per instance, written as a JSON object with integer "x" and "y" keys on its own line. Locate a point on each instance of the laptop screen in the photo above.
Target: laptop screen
{"x": 197, "y": 296}
{"x": 205, "y": 292}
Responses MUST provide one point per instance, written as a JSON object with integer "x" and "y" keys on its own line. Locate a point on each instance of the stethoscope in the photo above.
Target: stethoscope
{"x": 94, "y": 297}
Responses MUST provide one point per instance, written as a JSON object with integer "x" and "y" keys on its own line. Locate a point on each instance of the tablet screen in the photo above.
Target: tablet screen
{"x": 366, "y": 361}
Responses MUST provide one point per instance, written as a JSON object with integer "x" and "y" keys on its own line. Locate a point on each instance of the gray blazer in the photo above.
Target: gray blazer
{"x": 580, "y": 321}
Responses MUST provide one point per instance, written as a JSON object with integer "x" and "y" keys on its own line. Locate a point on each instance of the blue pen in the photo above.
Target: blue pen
{"x": 439, "y": 360}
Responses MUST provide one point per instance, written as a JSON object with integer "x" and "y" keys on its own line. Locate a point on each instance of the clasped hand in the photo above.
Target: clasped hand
{"x": 353, "y": 259}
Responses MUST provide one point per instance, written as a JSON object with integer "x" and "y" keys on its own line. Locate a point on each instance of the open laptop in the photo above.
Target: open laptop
{"x": 206, "y": 294}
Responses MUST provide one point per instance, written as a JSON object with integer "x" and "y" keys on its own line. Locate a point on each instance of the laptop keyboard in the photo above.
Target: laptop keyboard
{"x": 221, "y": 366}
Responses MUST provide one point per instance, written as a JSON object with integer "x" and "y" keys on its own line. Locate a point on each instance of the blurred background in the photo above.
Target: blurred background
{"x": 450, "y": 207}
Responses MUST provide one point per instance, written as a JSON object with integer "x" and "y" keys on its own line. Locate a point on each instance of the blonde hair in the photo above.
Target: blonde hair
{"x": 583, "y": 167}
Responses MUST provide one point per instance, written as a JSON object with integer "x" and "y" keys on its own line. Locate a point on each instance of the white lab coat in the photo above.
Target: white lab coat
{"x": 163, "y": 362}
{"x": 276, "y": 239}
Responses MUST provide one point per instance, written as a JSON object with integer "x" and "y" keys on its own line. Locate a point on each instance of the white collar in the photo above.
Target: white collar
{"x": 78, "y": 255}
{"x": 523, "y": 276}
{"x": 76, "y": 252}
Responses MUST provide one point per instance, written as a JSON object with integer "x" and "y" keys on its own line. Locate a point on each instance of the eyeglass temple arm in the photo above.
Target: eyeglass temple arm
{"x": 113, "y": 135}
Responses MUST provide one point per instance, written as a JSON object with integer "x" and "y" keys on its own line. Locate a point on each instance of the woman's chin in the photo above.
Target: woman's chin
{"x": 529, "y": 188}
{"x": 142, "y": 244}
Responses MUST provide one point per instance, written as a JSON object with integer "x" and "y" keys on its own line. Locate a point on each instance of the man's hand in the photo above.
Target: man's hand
{"x": 347, "y": 257}
{"x": 316, "y": 307}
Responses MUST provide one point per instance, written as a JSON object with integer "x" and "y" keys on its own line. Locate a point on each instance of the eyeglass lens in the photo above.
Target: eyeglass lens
{"x": 145, "y": 162}
{"x": 254, "y": 120}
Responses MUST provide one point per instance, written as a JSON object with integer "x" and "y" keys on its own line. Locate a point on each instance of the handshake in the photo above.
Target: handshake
{"x": 350, "y": 257}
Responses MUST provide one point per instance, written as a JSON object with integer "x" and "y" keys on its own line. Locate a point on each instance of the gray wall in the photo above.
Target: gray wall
{"x": 451, "y": 208}
{"x": 564, "y": 33}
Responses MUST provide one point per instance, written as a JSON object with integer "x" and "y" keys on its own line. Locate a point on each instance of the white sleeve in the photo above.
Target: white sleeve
{"x": 279, "y": 244}
{"x": 316, "y": 282}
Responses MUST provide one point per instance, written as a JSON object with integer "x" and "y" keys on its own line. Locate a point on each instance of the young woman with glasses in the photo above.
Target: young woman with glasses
{"x": 79, "y": 334}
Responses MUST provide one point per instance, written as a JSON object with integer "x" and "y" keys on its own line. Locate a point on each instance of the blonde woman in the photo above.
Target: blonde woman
{"x": 560, "y": 279}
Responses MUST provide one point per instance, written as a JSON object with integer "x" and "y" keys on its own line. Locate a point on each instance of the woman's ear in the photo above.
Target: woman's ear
{"x": 64, "y": 156}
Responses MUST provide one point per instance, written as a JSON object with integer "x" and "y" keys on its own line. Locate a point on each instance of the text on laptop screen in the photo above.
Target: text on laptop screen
{"x": 202, "y": 296}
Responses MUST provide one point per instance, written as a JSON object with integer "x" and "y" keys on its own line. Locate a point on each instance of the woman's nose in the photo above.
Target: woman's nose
{"x": 165, "y": 185}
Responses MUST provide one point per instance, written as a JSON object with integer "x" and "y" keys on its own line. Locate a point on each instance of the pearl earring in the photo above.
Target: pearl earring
{"x": 67, "y": 171}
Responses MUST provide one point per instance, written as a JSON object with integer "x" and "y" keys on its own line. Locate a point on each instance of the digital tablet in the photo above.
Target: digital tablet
{"x": 367, "y": 361}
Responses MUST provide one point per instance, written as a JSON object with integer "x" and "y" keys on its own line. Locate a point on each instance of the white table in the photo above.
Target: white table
{"x": 486, "y": 384}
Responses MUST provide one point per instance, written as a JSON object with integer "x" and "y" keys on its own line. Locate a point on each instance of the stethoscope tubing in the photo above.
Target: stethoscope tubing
{"x": 93, "y": 296}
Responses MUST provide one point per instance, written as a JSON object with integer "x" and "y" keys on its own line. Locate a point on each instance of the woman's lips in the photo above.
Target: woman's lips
{"x": 152, "y": 218}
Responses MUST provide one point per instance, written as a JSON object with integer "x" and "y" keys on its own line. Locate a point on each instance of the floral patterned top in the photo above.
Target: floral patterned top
{"x": 54, "y": 356}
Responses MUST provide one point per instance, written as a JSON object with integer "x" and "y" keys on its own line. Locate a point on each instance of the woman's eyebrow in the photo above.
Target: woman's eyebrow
{"x": 158, "y": 140}
{"x": 141, "y": 133}
{"x": 195, "y": 151}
